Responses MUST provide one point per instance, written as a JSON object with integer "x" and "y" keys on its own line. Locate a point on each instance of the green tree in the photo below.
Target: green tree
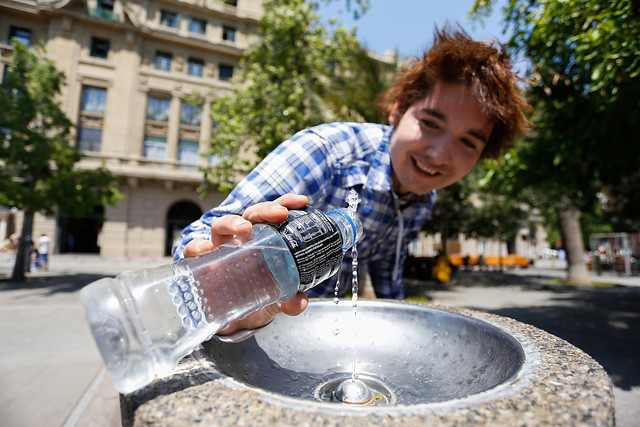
{"x": 36, "y": 155}
{"x": 621, "y": 204}
{"x": 585, "y": 63}
{"x": 453, "y": 212}
{"x": 472, "y": 208}
{"x": 299, "y": 74}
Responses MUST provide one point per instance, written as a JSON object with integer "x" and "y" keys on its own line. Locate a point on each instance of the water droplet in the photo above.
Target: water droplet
{"x": 336, "y": 331}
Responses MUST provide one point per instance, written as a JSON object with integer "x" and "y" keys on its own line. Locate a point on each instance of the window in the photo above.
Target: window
{"x": 93, "y": 100}
{"x": 190, "y": 114}
{"x": 92, "y": 108}
{"x": 99, "y": 47}
{"x": 228, "y": 34}
{"x": 169, "y": 19}
{"x": 155, "y": 148}
{"x": 195, "y": 67}
{"x": 197, "y": 26}
{"x": 163, "y": 61}
{"x": 89, "y": 139}
{"x": 106, "y": 5}
{"x": 226, "y": 72}
{"x": 158, "y": 108}
{"x": 188, "y": 153}
{"x": 20, "y": 34}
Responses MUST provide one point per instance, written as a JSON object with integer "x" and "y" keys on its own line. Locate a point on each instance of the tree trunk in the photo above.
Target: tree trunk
{"x": 24, "y": 248}
{"x": 577, "y": 272}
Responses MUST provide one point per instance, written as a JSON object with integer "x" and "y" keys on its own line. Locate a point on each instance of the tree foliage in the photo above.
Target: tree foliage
{"x": 299, "y": 74}
{"x": 37, "y": 158}
{"x": 473, "y": 208}
{"x": 585, "y": 90}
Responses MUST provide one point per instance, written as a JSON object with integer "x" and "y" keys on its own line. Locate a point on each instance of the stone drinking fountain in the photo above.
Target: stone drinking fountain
{"x": 415, "y": 364}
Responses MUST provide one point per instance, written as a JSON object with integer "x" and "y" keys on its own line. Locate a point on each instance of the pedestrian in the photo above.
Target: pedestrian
{"x": 458, "y": 104}
{"x": 35, "y": 260}
{"x": 43, "y": 251}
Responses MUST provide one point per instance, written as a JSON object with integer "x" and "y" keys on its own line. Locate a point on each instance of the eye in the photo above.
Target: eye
{"x": 469, "y": 143}
{"x": 430, "y": 124}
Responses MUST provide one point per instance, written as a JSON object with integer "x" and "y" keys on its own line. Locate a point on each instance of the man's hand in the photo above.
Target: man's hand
{"x": 227, "y": 227}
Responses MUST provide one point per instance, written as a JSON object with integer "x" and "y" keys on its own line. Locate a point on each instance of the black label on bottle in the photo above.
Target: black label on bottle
{"x": 315, "y": 244}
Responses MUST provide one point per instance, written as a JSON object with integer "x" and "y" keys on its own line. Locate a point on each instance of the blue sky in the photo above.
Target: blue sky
{"x": 407, "y": 25}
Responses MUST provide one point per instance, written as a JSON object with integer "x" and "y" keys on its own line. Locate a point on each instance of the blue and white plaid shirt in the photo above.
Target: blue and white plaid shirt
{"x": 323, "y": 163}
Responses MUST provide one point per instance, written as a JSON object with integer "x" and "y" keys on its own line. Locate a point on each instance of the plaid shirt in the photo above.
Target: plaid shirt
{"x": 323, "y": 163}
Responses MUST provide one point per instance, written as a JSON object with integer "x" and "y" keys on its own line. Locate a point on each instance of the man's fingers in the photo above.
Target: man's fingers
{"x": 292, "y": 307}
{"x": 295, "y": 305}
{"x": 276, "y": 211}
{"x": 224, "y": 228}
{"x": 292, "y": 201}
{"x": 197, "y": 247}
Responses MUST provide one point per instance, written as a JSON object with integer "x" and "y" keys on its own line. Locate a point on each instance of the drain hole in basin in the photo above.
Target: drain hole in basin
{"x": 340, "y": 388}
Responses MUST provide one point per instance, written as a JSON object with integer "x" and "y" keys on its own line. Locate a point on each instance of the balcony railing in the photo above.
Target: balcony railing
{"x": 98, "y": 12}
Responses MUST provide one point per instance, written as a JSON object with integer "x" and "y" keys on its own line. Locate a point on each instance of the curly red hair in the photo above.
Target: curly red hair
{"x": 483, "y": 66}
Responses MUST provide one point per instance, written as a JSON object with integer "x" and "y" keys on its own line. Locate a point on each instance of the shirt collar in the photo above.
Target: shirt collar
{"x": 379, "y": 177}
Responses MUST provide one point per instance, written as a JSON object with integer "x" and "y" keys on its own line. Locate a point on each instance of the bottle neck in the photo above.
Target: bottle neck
{"x": 348, "y": 225}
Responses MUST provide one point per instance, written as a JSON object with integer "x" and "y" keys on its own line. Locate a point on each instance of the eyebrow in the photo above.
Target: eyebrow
{"x": 440, "y": 115}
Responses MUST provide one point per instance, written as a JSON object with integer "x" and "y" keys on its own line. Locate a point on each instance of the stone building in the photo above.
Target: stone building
{"x": 128, "y": 65}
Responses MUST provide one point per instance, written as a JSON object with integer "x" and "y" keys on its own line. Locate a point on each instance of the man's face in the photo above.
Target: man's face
{"x": 438, "y": 140}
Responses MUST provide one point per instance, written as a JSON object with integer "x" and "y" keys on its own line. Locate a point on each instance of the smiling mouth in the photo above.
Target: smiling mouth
{"x": 425, "y": 169}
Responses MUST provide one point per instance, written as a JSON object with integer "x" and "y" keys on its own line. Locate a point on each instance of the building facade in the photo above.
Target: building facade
{"x": 129, "y": 66}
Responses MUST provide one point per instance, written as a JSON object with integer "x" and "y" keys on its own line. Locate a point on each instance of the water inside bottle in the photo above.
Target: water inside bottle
{"x": 226, "y": 288}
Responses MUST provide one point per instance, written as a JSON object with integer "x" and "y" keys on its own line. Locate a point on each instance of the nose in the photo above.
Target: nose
{"x": 440, "y": 149}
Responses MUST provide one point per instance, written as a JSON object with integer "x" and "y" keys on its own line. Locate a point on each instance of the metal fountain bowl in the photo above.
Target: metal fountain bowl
{"x": 406, "y": 354}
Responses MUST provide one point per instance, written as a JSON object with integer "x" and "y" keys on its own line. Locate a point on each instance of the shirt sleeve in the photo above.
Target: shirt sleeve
{"x": 299, "y": 165}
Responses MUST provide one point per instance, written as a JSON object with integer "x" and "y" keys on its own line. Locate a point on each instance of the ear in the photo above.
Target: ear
{"x": 394, "y": 113}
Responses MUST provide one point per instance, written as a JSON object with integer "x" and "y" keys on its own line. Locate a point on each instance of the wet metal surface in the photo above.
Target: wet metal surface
{"x": 420, "y": 354}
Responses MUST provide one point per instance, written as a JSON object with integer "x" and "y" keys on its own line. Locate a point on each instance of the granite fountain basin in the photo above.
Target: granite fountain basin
{"x": 407, "y": 354}
{"x": 423, "y": 364}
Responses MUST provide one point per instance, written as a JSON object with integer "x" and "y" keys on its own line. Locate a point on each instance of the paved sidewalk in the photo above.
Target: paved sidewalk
{"x": 604, "y": 322}
{"x": 52, "y": 373}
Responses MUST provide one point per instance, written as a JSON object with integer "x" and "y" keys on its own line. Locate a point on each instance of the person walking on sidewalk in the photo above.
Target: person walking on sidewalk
{"x": 43, "y": 251}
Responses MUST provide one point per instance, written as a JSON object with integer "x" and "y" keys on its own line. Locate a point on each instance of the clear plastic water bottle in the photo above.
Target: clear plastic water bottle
{"x": 145, "y": 321}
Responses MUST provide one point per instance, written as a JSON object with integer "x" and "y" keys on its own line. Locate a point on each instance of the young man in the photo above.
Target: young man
{"x": 457, "y": 105}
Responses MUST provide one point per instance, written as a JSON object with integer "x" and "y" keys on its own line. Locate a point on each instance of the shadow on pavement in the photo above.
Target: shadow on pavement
{"x": 54, "y": 284}
{"x": 604, "y": 322}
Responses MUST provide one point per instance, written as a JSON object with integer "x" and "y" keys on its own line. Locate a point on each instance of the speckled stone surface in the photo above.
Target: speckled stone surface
{"x": 559, "y": 385}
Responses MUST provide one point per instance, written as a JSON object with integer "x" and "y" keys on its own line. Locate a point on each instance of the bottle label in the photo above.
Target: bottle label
{"x": 315, "y": 244}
